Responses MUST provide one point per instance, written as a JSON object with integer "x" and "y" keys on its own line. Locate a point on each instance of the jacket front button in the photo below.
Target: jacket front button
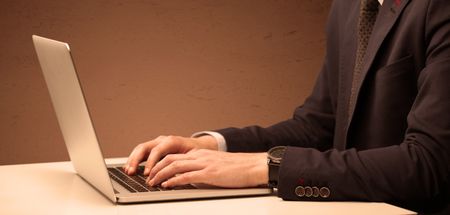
{"x": 300, "y": 191}
{"x": 324, "y": 192}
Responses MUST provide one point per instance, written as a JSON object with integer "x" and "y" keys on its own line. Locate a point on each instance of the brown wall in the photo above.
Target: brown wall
{"x": 157, "y": 67}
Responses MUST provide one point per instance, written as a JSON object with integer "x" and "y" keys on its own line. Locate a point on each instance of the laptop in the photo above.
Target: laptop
{"x": 82, "y": 144}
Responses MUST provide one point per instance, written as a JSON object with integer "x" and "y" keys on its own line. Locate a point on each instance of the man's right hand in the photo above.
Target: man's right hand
{"x": 154, "y": 150}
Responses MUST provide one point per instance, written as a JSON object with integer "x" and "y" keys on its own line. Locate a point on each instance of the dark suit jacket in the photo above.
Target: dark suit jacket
{"x": 394, "y": 146}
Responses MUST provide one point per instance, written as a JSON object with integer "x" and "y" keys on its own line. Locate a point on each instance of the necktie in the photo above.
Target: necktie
{"x": 367, "y": 16}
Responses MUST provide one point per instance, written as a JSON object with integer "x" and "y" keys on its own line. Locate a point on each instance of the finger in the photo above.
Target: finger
{"x": 155, "y": 155}
{"x": 176, "y": 167}
{"x": 192, "y": 177}
{"x": 165, "y": 145}
{"x": 168, "y": 159}
{"x": 139, "y": 153}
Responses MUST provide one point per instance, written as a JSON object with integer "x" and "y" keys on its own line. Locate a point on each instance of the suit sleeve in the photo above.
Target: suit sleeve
{"x": 413, "y": 173}
{"x": 311, "y": 126}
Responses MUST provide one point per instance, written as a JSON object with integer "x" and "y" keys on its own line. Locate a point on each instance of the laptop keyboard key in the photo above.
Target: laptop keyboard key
{"x": 121, "y": 178}
{"x": 136, "y": 183}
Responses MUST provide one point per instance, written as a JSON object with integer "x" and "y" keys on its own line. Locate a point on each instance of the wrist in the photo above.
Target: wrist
{"x": 260, "y": 172}
{"x": 207, "y": 142}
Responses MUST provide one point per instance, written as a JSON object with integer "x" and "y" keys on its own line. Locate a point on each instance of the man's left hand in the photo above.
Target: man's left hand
{"x": 222, "y": 169}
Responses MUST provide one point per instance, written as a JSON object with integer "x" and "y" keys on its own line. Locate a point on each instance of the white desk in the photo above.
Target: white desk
{"x": 54, "y": 188}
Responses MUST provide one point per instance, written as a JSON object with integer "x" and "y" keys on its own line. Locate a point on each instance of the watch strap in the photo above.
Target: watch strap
{"x": 274, "y": 169}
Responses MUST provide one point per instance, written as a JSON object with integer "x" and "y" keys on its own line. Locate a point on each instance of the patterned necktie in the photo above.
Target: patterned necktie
{"x": 367, "y": 16}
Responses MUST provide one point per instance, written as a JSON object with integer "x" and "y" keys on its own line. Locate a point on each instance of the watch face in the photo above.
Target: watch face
{"x": 276, "y": 153}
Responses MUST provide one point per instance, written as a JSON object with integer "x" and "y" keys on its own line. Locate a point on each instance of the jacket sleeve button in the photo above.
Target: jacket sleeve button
{"x": 315, "y": 192}
{"x": 300, "y": 191}
{"x": 324, "y": 192}
{"x": 308, "y": 191}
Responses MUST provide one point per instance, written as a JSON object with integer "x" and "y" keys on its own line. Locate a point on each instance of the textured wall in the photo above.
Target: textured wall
{"x": 157, "y": 67}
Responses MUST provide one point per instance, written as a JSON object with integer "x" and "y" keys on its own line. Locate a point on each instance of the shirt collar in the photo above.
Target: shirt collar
{"x": 381, "y": 2}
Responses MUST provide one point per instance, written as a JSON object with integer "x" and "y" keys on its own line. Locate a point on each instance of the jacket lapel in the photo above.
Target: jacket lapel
{"x": 388, "y": 15}
{"x": 347, "y": 43}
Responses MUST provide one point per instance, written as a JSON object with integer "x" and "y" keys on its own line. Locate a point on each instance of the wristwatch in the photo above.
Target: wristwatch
{"x": 274, "y": 159}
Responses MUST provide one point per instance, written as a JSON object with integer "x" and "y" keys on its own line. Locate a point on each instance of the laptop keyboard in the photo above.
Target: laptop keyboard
{"x": 136, "y": 183}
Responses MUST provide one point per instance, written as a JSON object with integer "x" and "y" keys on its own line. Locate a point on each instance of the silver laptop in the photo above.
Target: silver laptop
{"x": 82, "y": 143}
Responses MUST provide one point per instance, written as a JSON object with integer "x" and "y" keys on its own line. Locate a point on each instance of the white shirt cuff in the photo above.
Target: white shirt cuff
{"x": 221, "y": 143}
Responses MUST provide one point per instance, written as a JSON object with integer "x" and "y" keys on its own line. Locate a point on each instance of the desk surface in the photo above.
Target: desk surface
{"x": 55, "y": 188}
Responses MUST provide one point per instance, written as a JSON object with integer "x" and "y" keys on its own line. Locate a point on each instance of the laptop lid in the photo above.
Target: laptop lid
{"x": 72, "y": 113}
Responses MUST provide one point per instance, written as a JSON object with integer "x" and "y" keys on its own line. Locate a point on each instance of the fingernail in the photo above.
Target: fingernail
{"x": 126, "y": 169}
{"x": 151, "y": 182}
{"x": 146, "y": 171}
{"x": 131, "y": 170}
{"x": 164, "y": 184}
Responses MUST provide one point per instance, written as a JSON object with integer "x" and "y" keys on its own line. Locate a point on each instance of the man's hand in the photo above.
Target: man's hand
{"x": 152, "y": 151}
{"x": 223, "y": 169}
